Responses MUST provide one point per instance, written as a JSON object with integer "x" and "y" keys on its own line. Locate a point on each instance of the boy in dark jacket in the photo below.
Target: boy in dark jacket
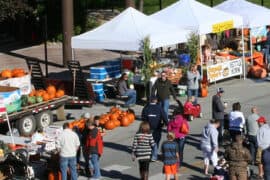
{"x": 155, "y": 116}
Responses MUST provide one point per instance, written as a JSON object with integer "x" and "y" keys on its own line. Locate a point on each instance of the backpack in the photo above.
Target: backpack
{"x": 184, "y": 129}
{"x": 95, "y": 142}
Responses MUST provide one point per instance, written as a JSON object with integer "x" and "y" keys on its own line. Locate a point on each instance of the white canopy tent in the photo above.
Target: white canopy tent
{"x": 253, "y": 14}
{"x": 126, "y": 31}
{"x": 199, "y": 17}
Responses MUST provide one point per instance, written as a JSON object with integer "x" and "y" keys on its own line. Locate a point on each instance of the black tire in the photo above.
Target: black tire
{"x": 26, "y": 125}
{"x": 44, "y": 119}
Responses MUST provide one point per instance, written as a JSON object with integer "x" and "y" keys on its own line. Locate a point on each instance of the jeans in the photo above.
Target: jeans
{"x": 165, "y": 104}
{"x": 181, "y": 145}
{"x": 193, "y": 92}
{"x": 70, "y": 162}
{"x": 267, "y": 176}
{"x": 94, "y": 160}
{"x": 253, "y": 146}
{"x": 156, "y": 136}
{"x": 132, "y": 96}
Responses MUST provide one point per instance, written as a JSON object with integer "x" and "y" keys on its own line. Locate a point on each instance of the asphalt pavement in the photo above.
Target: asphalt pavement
{"x": 116, "y": 162}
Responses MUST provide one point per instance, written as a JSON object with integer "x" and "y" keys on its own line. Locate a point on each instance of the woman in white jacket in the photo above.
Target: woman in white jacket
{"x": 236, "y": 120}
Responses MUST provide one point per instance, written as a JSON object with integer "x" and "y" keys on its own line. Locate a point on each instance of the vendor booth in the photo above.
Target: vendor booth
{"x": 203, "y": 20}
{"x": 254, "y": 16}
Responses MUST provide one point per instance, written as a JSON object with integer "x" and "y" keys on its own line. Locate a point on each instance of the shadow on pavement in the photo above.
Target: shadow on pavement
{"x": 117, "y": 175}
{"x": 194, "y": 177}
{"x": 119, "y": 147}
{"x": 194, "y": 168}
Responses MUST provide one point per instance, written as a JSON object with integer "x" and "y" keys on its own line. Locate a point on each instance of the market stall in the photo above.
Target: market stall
{"x": 253, "y": 15}
{"x": 203, "y": 20}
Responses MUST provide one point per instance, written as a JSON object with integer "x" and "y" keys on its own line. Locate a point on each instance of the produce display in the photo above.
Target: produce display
{"x": 17, "y": 72}
{"x": 37, "y": 96}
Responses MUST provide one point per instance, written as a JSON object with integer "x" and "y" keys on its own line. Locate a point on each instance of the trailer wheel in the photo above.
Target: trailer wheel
{"x": 26, "y": 125}
{"x": 44, "y": 119}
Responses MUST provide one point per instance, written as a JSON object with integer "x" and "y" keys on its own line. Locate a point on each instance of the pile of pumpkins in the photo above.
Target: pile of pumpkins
{"x": 80, "y": 123}
{"x": 37, "y": 96}
{"x": 17, "y": 72}
{"x": 116, "y": 117}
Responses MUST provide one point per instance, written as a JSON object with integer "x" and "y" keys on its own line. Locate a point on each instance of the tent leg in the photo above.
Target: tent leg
{"x": 243, "y": 58}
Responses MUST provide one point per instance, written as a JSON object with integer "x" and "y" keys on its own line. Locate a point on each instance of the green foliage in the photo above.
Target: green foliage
{"x": 59, "y": 37}
{"x": 77, "y": 30}
{"x": 91, "y": 23}
{"x": 147, "y": 57}
{"x": 193, "y": 45}
{"x": 9, "y": 9}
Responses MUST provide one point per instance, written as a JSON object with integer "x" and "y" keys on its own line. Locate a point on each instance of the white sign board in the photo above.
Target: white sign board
{"x": 224, "y": 70}
{"x": 24, "y": 83}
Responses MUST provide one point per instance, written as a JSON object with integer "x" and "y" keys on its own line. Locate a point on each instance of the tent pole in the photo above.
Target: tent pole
{"x": 243, "y": 49}
{"x": 201, "y": 57}
{"x": 251, "y": 47}
{"x": 73, "y": 54}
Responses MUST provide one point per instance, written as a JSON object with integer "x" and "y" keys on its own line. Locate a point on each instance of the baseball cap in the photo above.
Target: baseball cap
{"x": 261, "y": 120}
{"x": 220, "y": 90}
{"x": 87, "y": 115}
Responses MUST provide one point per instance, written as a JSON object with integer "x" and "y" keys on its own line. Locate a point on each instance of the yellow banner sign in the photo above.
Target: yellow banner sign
{"x": 219, "y": 27}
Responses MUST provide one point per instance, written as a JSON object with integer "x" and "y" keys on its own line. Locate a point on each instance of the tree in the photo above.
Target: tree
{"x": 9, "y": 9}
{"x": 129, "y": 3}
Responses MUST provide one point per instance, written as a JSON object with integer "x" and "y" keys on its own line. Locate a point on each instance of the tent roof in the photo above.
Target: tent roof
{"x": 127, "y": 30}
{"x": 253, "y": 14}
{"x": 192, "y": 14}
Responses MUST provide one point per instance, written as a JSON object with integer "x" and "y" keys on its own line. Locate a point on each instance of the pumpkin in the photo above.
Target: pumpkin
{"x": 125, "y": 121}
{"x": 114, "y": 116}
{"x": 131, "y": 117}
{"x": 18, "y": 72}
{"x": 117, "y": 123}
{"x": 59, "y": 93}
{"x": 32, "y": 93}
{"x": 6, "y": 73}
{"x": 45, "y": 96}
{"x": 51, "y": 96}
{"x": 109, "y": 125}
{"x": 40, "y": 92}
{"x": 204, "y": 92}
{"x": 51, "y": 89}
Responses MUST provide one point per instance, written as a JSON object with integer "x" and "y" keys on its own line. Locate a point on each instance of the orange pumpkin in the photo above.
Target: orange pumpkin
{"x": 51, "y": 96}
{"x": 59, "y": 93}
{"x": 125, "y": 121}
{"x": 204, "y": 92}
{"x": 51, "y": 89}
{"x": 40, "y": 92}
{"x": 45, "y": 96}
{"x": 114, "y": 116}
{"x": 109, "y": 125}
{"x": 18, "y": 72}
{"x": 6, "y": 73}
{"x": 32, "y": 93}
{"x": 117, "y": 123}
{"x": 131, "y": 117}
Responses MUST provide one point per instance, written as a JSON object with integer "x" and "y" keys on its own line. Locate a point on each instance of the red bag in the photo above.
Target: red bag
{"x": 184, "y": 129}
{"x": 95, "y": 142}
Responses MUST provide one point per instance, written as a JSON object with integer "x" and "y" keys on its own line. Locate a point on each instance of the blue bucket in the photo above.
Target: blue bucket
{"x": 184, "y": 59}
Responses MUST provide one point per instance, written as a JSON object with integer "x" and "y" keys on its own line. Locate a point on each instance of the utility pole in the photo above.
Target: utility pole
{"x": 262, "y": 2}
{"x": 160, "y": 4}
{"x": 67, "y": 24}
{"x": 211, "y": 3}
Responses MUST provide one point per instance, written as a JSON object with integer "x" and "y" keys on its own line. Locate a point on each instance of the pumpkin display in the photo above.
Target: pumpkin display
{"x": 6, "y": 73}
{"x": 114, "y": 116}
{"x": 18, "y": 72}
{"x": 32, "y": 93}
{"x": 117, "y": 123}
{"x": 45, "y": 96}
{"x": 109, "y": 125}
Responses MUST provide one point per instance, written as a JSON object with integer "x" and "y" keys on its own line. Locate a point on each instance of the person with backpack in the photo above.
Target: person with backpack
{"x": 155, "y": 116}
{"x": 180, "y": 127}
{"x": 170, "y": 157}
{"x": 94, "y": 145}
{"x": 209, "y": 144}
{"x": 142, "y": 146}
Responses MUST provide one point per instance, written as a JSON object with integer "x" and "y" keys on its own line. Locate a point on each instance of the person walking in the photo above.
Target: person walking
{"x": 193, "y": 77}
{"x": 236, "y": 120}
{"x": 170, "y": 157}
{"x": 218, "y": 108}
{"x": 123, "y": 90}
{"x": 209, "y": 144}
{"x": 94, "y": 145}
{"x": 252, "y": 128}
{"x": 263, "y": 140}
{"x": 155, "y": 116}
{"x": 69, "y": 144}
{"x": 266, "y": 163}
{"x": 143, "y": 143}
{"x": 175, "y": 126}
{"x": 238, "y": 158}
{"x": 163, "y": 89}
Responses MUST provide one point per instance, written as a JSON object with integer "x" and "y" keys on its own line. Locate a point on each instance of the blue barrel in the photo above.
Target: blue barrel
{"x": 99, "y": 69}
{"x": 184, "y": 59}
{"x": 97, "y": 86}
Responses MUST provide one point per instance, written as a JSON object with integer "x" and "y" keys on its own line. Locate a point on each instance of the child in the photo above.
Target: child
{"x": 220, "y": 171}
{"x": 101, "y": 129}
{"x": 170, "y": 155}
{"x": 192, "y": 110}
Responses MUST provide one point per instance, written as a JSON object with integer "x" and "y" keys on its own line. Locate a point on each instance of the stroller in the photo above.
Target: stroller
{"x": 16, "y": 166}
